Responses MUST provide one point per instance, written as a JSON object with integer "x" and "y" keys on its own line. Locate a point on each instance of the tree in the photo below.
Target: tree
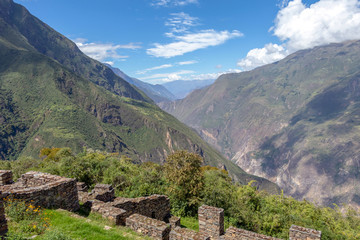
{"x": 186, "y": 180}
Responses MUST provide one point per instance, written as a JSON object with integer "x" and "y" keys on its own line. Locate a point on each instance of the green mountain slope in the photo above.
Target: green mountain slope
{"x": 295, "y": 122}
{"x": 157, "y": 93}
{"x": 52, "y": 95}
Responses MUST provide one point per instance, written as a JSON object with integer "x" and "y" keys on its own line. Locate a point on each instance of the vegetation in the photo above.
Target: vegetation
{"x": 296, "y": 120}
{"x": 192, "y": 185}
{"x": 51, "y": 94}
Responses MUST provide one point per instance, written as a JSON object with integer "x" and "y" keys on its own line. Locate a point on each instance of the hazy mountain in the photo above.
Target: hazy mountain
{"x": 295, "y": 122}
{"x": 157, "y": 93}
{"x": 181, "y": 88}
{"x": 54, "y": 95}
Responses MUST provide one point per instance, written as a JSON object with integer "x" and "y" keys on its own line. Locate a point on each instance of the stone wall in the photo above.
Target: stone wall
{"x": 3, "y": 223}
{"x": 179, "y": 233}
{"x": 116, "y": 215}
{"x": 148, "y": 226}
{"x": 300, "y": 233}
{"x": 233, "y": 233}
{"x": 45, "y": 190}
{"x": 6, "y": 177}
{"x": 211, "y": 220}
{"x": 155, "y": 206}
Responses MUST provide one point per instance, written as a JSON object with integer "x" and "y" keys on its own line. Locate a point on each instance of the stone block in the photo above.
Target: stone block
{"x": 148, "y": 226}
{"x": 211, "y": 221}
{"x": 301, "y": 233}
{"x": 179, "y": 233}
{"x": 6, "y": 177}
{"x": 233, "y": 233}
{"x": 174, "y": 222}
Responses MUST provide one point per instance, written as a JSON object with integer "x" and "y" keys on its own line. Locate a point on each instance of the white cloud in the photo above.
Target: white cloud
{"x": 103, "y": 51}
{"x": 261, "y": 56}
{"x": 155, "y": 68}
{"x": 187, "y": 62}
{"x": 321, "y": 23}
{"x": 299, "y": 27}
{"x": 207, "y": 76}
{"x": 180, "y": 22}
{"x": 192, "y": 41}
{"x": 167, "y": 3}
{"x": 111, "y": 63}
{"x": 166, "y": 77}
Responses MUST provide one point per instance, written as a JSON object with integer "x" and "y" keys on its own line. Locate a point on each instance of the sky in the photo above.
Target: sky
{"x": 159, "y": 41}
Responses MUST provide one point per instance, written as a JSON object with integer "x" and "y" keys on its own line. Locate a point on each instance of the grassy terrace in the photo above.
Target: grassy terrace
{"x": 64, "y": 225}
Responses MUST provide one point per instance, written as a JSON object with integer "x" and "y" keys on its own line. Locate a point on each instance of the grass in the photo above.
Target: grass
{"x": 190, "y": 222}
{"x": 90, "y": 228}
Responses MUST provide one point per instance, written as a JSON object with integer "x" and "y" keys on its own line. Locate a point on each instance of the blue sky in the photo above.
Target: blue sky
{"x": 164, "y": 40}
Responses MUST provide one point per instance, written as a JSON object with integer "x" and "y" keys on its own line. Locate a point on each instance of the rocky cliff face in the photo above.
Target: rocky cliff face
{"x": 294, "y": 122}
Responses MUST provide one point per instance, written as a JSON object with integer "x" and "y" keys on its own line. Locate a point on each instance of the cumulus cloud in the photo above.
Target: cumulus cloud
{"x": 321, "y": 23}
{"x": 261, "y": 56}
{"x": 192, "y": 41}
{"x": 168, "y": 3}
{"x": 103, "y": 51}
{"x": 299, "y": 27}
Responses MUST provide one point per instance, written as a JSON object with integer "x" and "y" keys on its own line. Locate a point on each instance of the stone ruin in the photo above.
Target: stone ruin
{"x": 151, "y": 216}
{"x": 146, "y": 215}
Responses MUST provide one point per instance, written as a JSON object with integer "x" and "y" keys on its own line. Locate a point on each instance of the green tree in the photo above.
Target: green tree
{"x": 186, "y": 181}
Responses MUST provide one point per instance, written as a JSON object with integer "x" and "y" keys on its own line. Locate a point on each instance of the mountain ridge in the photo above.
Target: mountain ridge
{"x": 74, "y": 101}
{"x": 293, "y": 122}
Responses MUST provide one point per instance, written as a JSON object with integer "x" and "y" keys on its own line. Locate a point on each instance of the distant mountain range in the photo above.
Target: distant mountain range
{"x": 157, "y": 93}
{"x": 53, "y": 95}
{"x": 295, "y": 122}
{"x": 182, "y": 88}
{"x": 165, "y": 92}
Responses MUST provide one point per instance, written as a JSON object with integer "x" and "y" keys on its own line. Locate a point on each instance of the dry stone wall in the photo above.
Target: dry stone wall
{"x": 147, "y": 215}
{"x": 116, "y": 215}
{"x": 148, "y": 226}
{"x": 3, "y": 223}
{"x": 233, "y": 233}
{"x": 155, "y": 206}
{"x": 179, "y": 233}
{"x": 6, "y": 177}
{"x": 211, "y": 220}
{"x": 300, "y": 233}
{"x": 45, "y": 190}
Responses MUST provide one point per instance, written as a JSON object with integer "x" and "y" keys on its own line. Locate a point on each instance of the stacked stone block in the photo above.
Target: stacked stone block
{"x": 301, "y": 233}
{"x": 179, "y": 233}
{"x": 45, "y": 190}
{"x": 3, "y": 223}
{"x": 233, "y": 233}
{"x": 155, "y": 206}
{"x": 211, "y": 221}
{"x": 6, "y": 177}
{"x": 174, "y": 222}
{"x": 116, "y": 215}
{"x": 103, "y": 192}
{"x": 148, "y": 226}
{"x": 81, "y": 187}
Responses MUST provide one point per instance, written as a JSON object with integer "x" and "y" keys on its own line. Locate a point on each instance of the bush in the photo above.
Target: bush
{"x": 27, "y": 217}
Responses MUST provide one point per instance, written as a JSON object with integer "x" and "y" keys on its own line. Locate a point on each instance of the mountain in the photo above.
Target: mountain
{"x": 181, "y": 88}
{"x": 295, "y": 122}
{"x": 53, "y": 95}
{"x": 156, "y": 92}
